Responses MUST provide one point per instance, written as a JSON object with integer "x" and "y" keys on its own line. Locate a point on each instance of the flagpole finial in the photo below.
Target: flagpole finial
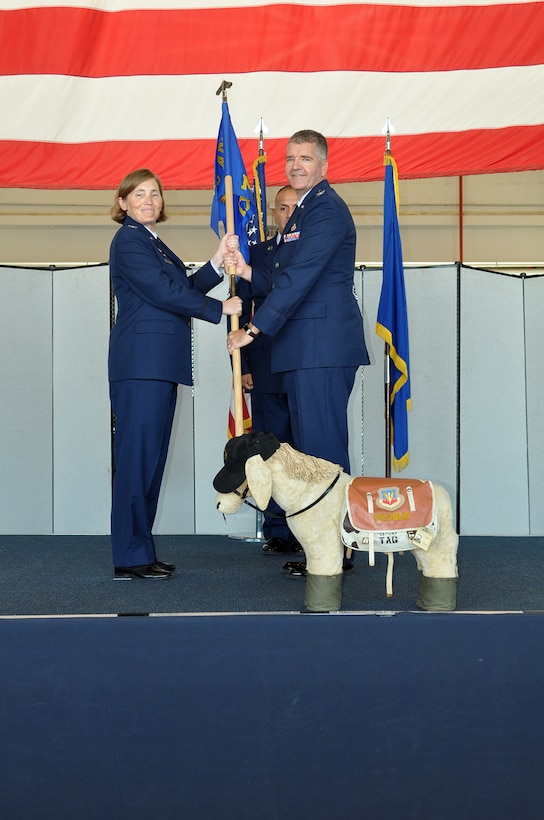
{"x": 261, "y": 130}
{"x": 223, "y": 89}
{"x": 387, "y": 130}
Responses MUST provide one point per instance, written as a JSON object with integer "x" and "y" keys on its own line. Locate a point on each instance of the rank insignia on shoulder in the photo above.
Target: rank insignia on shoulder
{"x": 320, "y": 193}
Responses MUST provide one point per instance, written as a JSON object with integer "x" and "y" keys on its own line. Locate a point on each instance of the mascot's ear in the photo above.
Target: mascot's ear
{"x": 259, "y": 479}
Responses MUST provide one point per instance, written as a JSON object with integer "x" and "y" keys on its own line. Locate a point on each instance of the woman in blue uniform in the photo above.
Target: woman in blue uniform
{"x": 150, "y": 354}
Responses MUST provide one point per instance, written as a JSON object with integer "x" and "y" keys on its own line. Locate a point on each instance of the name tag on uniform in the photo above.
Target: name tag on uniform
{"x": 291, "y": 237}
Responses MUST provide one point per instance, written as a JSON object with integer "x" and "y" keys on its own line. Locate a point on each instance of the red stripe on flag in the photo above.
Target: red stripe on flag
{"x": 246, "y": 415}
{"x": 96, "y": 43}
{"x": 188, "y": 164}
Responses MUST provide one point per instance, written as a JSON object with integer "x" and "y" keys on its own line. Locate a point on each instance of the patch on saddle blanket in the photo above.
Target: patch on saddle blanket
{"x": 385, "y": 515}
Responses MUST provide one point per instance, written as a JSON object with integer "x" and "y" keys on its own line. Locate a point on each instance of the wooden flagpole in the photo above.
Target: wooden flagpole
{"x": 234, "y": 320}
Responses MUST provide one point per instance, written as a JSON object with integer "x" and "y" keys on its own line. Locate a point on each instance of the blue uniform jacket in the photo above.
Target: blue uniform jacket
{"x": 151, "y": 338}
{"x": 310, "y": 307}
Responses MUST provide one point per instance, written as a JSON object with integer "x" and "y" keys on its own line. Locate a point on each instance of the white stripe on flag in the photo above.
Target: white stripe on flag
{"x": 114, "y": 108}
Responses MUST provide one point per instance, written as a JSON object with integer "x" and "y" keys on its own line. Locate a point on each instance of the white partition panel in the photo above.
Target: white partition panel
{"x": 356, "y": 402}
{"x": 431, "y": 297}
{"x": 373, "y": 441}
{"x": 356, "y": 423}
{"x": 534, "y": 347}
{"x": 26, "y": 408}
{"x": 476, "y": 425}
{"x": 493, "y": 453}
{"x": 213, "y": 387}
{"x": 81, "y": 419}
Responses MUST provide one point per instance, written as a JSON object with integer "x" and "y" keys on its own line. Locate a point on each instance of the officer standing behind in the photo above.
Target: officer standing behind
{"x": 269, "y": 407}
{"x": 309, "y": 308}
{"x": 149, "y": 355}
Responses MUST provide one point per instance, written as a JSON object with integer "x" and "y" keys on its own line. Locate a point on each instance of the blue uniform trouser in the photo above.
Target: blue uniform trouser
{"x": 318, "y": 401}
{"x": 270, "y": 414}
{"x": 144, "y": 413}
{"x": 318, "y": 408}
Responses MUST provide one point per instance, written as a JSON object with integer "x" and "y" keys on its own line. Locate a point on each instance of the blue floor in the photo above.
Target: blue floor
{"x": 266, "y": 717}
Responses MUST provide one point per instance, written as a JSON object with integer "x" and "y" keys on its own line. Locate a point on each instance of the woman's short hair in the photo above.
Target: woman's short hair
{"x": 127, "y": 185}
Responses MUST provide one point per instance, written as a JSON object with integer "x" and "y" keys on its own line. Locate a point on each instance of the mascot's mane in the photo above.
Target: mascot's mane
{"x": 306, "y": 468}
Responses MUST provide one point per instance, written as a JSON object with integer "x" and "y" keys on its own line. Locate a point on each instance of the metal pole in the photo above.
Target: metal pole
{"x": 387, "y": 413}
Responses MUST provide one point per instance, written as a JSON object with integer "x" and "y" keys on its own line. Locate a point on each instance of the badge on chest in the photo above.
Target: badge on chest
{"x": 292, "y": 236}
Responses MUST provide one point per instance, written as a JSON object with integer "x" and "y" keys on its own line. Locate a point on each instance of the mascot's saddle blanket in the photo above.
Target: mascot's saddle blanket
{"x": 388, "y": 515}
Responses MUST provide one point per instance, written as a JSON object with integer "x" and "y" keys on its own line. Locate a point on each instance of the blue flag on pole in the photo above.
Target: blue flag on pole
{"x": 259, "y": 185}
{"x": 392, "y": 320}
{"x": 229, "y": 162}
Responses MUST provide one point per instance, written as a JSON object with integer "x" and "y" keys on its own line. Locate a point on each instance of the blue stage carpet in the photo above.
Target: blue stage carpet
{"x": 73, "y": 575}
{"x": 414, "y": 716}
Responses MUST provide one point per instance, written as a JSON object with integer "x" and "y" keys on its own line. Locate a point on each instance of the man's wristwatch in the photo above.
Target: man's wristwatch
{"x": 250, "y": 332}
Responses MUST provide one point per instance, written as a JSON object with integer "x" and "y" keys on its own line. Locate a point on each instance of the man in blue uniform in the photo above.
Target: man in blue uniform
{"x": 269, "y": 406}
{"x": 309, "y": 308}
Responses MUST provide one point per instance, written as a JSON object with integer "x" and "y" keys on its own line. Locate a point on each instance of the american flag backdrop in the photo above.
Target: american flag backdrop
{"x": 89, "y": 90}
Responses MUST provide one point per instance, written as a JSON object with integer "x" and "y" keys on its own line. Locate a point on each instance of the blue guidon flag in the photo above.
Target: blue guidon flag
{"x": 259, "y": 187}
{"x": 392, "y": 320}
{"x": 229, "y": 162}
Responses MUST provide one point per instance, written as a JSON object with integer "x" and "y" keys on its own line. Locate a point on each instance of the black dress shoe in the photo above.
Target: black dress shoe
{"x": 294, "y": 546}
{"x": 275, "y": 546}
{"x": 145, "y": 571}
{"x": 163, "y": 565}
{"x": 297, "y": 565}
{"x": 297, "y": 569}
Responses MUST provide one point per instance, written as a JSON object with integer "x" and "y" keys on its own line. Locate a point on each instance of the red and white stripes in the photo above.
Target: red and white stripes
{"x": 90, "y": 91}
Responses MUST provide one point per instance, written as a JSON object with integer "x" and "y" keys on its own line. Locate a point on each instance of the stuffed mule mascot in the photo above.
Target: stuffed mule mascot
{"x": 315, "y": 495}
